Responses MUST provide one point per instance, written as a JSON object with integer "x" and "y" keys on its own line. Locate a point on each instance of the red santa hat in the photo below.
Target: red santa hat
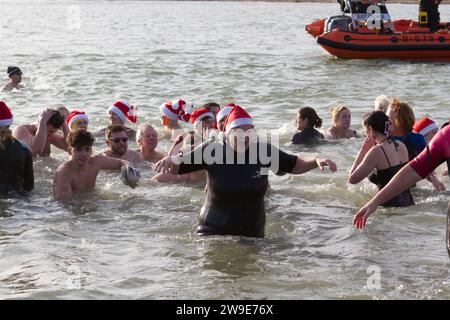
{"x": 124, "y": 110}
{"x": 224, "y": 112}
{"x": 424, "y": 126}
{"x": 6, "y": 117}
{"x": 237, "y": 117}
{"x": 201, "y": 114}
{"x": 176, "y": 110}
{"x": 75, "y": 116}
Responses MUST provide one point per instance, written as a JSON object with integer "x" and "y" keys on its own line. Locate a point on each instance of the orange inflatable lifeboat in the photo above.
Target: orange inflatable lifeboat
{"x": 369, "y": 33}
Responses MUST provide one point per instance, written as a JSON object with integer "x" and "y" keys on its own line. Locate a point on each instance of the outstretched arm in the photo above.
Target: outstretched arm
{"x": 404, "y": 179}
{"x": 305, "y": 164}
{"x": 108, "y": 163}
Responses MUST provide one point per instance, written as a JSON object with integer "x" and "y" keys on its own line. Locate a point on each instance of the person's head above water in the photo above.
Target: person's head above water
{"x": 213, "y": 107}
{"x": 116, "y": 139}
{"x": 381, "y": 103}
{"x": 401, "y": 116}
{"x": 172, "y": 112}
{"x": 307, "y": 118}
{"x": 341, "y": 117}
{"x": 77, "y": 120}
{"x": 426, "y": 127}
{"x": 222, "y": 115}
{"x": 54, "y": 123}
{"x": 202, "y": 120}
{"x": 15, "y": 74}
{"x": 147, "y": 137}
{"x": 121, "y": 111}
{"x": 239, "y": 129}
{"x": 377, "y": 124}
{"x": 80, "y": 142}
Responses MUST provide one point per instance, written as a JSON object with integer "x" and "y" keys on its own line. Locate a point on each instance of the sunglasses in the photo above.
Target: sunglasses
{"x": 117, "y": 140}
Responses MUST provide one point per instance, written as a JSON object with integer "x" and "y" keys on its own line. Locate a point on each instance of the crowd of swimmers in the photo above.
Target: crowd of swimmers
{"x": 397, "y": 152}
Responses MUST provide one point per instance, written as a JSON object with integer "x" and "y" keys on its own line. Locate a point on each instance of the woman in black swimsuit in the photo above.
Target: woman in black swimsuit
{"x": 237, "y": 177}
{"x": 380, "y": 158}
{"x": 16, "y": 163}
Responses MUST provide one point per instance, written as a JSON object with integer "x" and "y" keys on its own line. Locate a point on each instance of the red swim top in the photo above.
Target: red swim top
{"x": 439, "y": 152}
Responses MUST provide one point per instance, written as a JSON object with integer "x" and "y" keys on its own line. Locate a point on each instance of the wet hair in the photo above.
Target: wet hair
{"x": 5, "y": 136}
{"x": 311, "y": 115}
{"x": 404, "y": 115}
{"x": 80, "y": 138}
{"x": 12, "y": 70}
{"x": 210, "y": 105}
{"x": 141, "y": 129}
{"x": 336, "y": 111}
{"x": 112, "y": 129}
{"x": 378, "y": 121}
{"x": 56, "y": 120}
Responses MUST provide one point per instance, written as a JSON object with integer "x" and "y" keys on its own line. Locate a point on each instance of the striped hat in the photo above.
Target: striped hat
{"x": 124, "y": 110}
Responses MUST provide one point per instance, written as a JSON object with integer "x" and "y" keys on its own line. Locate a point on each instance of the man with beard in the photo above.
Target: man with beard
{"x": 117, "y": 141}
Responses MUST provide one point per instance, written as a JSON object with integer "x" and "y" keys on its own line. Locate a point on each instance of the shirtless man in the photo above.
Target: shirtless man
{"x": 147, "y": 141}
{"x": 117, "y": 141}
{"x": 79, "y": 174}
{"x": 39, "y": 136}
{"x": 15, "y": 74}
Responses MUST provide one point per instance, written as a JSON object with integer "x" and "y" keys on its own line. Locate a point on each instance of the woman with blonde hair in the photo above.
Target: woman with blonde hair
{"x": 16, "y": 162}
{"x": 342, "y": 120}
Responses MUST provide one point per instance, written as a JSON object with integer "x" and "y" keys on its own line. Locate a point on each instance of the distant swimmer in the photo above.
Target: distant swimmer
{"x": 39, "y": 136}
{"x": 15, "y": 76}
{"x": 380, "y": 158}
{"x": 79, "y": 174}
{"x": 117, "y": 139}
{"x": 120, "y": 113}
{"x": 237, "y": 176}
{"x": 306, "y": 120}
{"x": 342, "y": 120}
{"x": 77, "y": 120}
{"x": 147, "y": 141}
{"x": 171, "y": 113}
{"x": 16, "y": 163}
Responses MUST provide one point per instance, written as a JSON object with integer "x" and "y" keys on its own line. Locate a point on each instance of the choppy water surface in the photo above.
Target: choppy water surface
{"x": 141, "y": 243}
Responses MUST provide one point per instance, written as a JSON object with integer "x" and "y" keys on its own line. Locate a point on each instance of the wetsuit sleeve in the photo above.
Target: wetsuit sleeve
{"x": 194, "y": 160}
{"x": 439, "y": 152}
{"x": 28, "y": 174}
{"x": 286, "y": 161}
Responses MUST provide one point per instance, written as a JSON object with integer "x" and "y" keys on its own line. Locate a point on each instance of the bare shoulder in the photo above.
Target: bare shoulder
{"x": 64, "y": 168}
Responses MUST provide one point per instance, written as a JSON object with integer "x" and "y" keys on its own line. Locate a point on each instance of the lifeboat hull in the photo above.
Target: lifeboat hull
{"x": 407, "y": 45}
{"x": 408, "y": 42}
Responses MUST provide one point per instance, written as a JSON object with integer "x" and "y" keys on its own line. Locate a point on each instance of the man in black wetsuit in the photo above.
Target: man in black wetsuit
{"x": 16, "y": 163}
{"x": 429, "y": 14}
{"x": 237, "y": 171}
